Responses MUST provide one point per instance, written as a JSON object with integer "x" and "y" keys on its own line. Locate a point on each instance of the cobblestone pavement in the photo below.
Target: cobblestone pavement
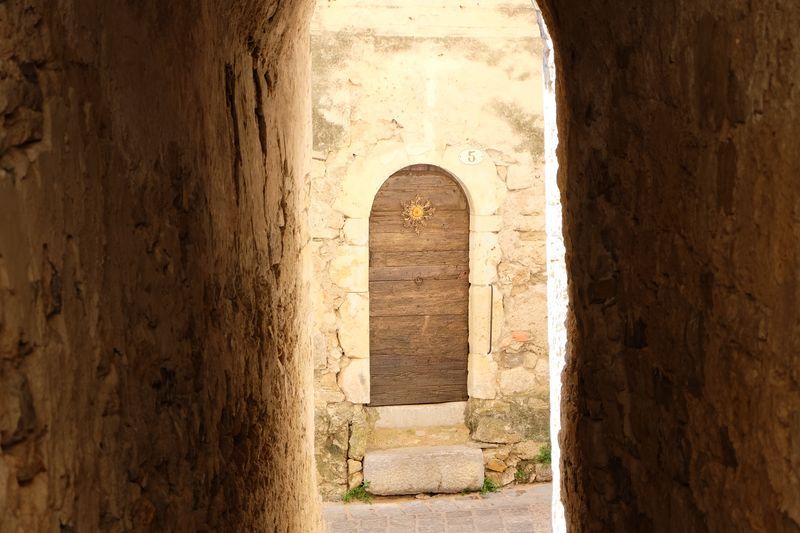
{"x": 515, "y": 509}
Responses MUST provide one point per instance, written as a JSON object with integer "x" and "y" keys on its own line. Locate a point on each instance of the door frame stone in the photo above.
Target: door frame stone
{"x": 362, "y": 182}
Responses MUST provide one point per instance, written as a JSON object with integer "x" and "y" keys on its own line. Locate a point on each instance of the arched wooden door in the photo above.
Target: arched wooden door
{"x": 419, "y": 289}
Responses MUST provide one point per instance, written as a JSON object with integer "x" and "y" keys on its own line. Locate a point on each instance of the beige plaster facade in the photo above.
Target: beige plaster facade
{"x": 459, "y": 87}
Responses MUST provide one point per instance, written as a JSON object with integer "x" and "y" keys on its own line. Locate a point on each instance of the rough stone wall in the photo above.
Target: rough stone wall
{"x": 449, "y": 75}
{"x": 678, "y": 127}
{"x": 152, "y": 361}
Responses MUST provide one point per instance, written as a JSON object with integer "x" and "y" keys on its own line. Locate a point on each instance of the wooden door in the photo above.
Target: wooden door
{"x": 419, "y": 289}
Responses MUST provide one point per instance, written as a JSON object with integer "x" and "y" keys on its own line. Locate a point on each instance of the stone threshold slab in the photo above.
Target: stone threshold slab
{"x": 419, "y": 416}
{"x": 423, "y": 469}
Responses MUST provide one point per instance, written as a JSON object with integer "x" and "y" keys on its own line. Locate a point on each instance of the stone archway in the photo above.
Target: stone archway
{"x": 356, "y": 202}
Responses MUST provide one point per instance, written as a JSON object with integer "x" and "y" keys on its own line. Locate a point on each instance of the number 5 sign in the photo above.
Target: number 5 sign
{"x": 471, "y": 156}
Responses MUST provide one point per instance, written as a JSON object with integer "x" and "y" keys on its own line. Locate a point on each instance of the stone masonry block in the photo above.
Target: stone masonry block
{"x": 519, "y": 177}
{"x": 480, "y": 311}
{"x": 424, "y": 469}
{"x": 491, "y": 223}
{"x": 356, "y": 231}
{"x": 484, "y": 256}
{"x": 350, "y": 268}
{"x": 481, "y": 376}
{"x": 517, "y": 381}
{"x": 354, "y": 381}
{"x": 353, "y": 331}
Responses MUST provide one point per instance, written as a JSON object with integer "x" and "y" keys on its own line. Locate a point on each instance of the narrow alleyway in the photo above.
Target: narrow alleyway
{"x": 516, "y": 509}
{"x": 157, "y": 347}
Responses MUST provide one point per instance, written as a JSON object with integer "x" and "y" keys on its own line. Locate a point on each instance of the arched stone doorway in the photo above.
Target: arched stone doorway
{"x": 419, "y": 289}
{"x": 499, "y": 170}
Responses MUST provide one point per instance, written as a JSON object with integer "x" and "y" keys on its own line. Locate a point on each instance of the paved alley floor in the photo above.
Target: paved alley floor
{"x": 515, "y": 509}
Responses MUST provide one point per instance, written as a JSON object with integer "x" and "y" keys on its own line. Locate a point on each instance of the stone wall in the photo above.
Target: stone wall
{"x": 679, "y": 171}
{"x": 132, "y": 344}
{"x": 152, "y": 191}
{"x": 388, "y": 95}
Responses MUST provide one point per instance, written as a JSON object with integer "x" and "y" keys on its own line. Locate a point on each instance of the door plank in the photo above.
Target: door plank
{"x": 431, "y": 297}
{"x": 402, "y": 388}
{"x": 456, "y": 222}
{"x": 429, "y": 239}
{"x": 407, "y": 258}
{"x": 398, "y": 395}
{"x": 401, "y": 380}
{"x": 420, "y": 364}
{"x": 441, "y": 191}
{"x": 409, "y": 335}
{"x": 410, "y": 273}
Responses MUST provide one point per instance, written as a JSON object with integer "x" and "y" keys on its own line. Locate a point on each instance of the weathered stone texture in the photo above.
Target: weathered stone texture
{"x": 152, "y": 367}
{"x": 423, "y": 469}
{"x": 678, "y": 123}
{"x": 508, "y": 420}
{"x": 381, "y": 90}
{"x": 152, "y": 167}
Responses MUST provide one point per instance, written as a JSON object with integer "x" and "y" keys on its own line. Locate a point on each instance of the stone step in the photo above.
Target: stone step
{"x": 418, "y": 416}
{"x": 383, "y": 439}
{"x": 405, "y": 426}
{"x": 423, "y": 469}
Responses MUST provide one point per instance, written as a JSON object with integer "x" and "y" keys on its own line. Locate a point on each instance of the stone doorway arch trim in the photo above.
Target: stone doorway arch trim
{"x": 362, "y": 182}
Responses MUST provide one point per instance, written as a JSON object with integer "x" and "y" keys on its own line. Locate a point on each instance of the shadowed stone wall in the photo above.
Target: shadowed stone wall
{"x": 152, "y": 363}
{"x": 679, "y": 176}
{"x": 152, "y": 367}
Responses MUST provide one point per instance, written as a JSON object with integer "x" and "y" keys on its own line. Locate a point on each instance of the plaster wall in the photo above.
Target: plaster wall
{"x": 389, "y": 95}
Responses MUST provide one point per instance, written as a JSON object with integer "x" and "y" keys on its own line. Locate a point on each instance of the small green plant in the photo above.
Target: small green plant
{"x": 489, "y": 486}
{"x": 358, "y": 493}
{"x": 520, "y": 476}
{"x": 544, "y": 456}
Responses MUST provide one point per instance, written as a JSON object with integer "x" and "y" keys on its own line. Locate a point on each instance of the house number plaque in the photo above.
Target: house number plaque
{"x": 471, "y": 156}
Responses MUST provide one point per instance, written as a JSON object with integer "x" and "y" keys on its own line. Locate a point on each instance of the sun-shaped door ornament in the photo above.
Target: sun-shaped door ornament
{"x": 416, "y": 213}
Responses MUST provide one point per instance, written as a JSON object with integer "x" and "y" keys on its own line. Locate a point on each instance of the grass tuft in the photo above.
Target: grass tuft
{"x": 489, "y": 486}
{"x": 358, "y": 493}
{"x": 545, "y": 453}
